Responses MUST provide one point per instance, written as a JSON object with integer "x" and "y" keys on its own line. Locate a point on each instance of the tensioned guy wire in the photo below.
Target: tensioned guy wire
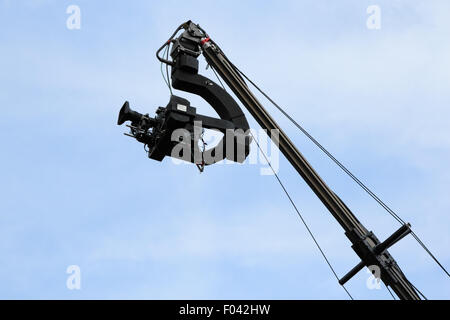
{"x": 340, "y": 165}
{"x": 392, "y": 295}
{"x": 348, "y": 172}
{"x": 300, "y": 216}
{"x": 293, "y": 204}
{"x": 423, "y": 296}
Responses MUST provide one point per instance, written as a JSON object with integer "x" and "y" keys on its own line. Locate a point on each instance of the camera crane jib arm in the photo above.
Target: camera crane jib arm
{"x": 194, "y": 41}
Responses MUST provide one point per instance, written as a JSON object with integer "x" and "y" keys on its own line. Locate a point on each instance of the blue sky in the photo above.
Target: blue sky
{"x": 75, "y": 191}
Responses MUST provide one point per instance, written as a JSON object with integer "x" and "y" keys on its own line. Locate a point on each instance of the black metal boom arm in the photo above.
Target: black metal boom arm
{"x": 370, "y": 250}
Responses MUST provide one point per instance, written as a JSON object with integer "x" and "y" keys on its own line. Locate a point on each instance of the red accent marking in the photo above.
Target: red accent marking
{"x": 204, "y": 41}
